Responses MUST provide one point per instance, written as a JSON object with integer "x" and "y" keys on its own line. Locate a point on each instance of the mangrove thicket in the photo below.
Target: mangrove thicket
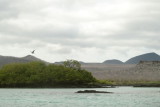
{"x": 38, "y": 74}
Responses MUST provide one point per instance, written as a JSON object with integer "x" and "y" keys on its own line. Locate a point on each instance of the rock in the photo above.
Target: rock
{"x": 92, "y": 91}
{"x": 147, "y": 85}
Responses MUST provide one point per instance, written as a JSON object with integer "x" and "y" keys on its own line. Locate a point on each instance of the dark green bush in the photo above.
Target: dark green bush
{"x": 38, "y": 74}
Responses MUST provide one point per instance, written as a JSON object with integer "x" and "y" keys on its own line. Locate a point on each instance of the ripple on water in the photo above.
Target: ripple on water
{"x": 122, "y": 97}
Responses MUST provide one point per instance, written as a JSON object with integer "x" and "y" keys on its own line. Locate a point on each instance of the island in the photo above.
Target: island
{"x": 92, "y": 91}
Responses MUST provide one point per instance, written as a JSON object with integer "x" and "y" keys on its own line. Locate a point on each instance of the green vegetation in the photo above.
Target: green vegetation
{"x": 73, "y": 64}
{"x": 139, "y": 83}
{"x": 106, "y": 82}
{"x": 130, "y": 83}
{"x": 38, "y": 74}
{"x": 70, "y": 74}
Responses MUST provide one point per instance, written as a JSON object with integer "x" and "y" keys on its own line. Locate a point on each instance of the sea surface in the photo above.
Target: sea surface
{"x": 66, "y": 97}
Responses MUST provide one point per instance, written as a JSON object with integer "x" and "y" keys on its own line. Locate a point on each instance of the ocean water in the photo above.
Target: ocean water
{"x": 61, "y": 97}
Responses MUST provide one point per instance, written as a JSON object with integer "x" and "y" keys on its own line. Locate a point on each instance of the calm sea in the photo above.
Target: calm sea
{"x": 122, "y": 97}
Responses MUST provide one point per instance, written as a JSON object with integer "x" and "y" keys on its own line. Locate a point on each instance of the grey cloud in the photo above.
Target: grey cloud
{"x": 145, "y": 26}
{"x": 8, "y": 40}
{"x": 80, "y": 25}
{"x": 61, "y": 51}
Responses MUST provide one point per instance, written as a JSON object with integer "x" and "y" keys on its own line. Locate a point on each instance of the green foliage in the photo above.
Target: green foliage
{"x": 138, "y": 83}
{"x": 106, "y": 82}
{"x": 72, "y": 64}
{"x": 38, "y": 74}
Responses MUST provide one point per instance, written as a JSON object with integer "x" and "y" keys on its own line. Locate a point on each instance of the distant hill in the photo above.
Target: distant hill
{"x": 113, "y": 61}
{"x": 144, "y": 57}
{"x": 134, "y": 60}
{"x": 10, "y": 59}
{"x": 31, "y": 58}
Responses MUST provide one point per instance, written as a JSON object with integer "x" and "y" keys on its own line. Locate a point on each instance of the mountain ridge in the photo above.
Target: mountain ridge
{"x": 31, "y": 58}
{"x": 11, "y": 59}
{"x": 143, "y": 57}
{"x": 134, "y": 60}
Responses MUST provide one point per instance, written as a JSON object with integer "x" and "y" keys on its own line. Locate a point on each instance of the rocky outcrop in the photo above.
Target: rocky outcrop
{"x": 92, "y": 91}
{"x": 147, "y": 85}
{"x": 150, "y": 66}
{"x": 149, "y": 63}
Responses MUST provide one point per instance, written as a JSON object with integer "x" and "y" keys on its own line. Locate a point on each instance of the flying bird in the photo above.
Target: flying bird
{"x": 32, "y": 51}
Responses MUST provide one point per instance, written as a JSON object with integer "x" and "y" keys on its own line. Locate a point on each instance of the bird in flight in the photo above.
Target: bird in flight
{"x": 32, "y": 51}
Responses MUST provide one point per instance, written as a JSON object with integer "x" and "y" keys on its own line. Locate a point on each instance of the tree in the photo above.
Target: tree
{"x": 73, "y": 64}
{"x": 38, "y": 74}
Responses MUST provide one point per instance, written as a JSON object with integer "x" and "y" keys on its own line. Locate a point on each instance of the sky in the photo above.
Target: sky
{"x": 83, "y": 30}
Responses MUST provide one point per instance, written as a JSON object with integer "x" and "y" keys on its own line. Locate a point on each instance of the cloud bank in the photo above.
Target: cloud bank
{"x": 90, "y": 31}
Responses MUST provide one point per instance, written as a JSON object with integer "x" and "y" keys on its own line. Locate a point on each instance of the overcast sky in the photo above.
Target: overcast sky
{"x": 84, "y": 30}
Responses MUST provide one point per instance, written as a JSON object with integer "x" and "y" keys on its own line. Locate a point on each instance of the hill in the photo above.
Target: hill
{"x": 114, "y": 61}
{"x": 143, "y": 71}
{"x": 9, "y": 59}
{"x": 143, "y": 57}
{"x": 31, "y": 58}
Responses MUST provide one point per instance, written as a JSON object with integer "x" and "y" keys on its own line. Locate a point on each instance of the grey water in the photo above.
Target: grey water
{"x": 66, "y": 97}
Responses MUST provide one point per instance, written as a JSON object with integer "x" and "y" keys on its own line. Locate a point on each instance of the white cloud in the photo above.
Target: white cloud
{"x": 92, "y": 30}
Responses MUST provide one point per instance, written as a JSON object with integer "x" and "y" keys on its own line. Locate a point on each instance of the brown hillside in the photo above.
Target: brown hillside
{"x": 144, "y": 71}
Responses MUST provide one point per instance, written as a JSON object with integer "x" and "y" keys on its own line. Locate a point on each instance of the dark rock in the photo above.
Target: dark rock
{"x": 147, "y": 85}
{"x": 92, "y": 91}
